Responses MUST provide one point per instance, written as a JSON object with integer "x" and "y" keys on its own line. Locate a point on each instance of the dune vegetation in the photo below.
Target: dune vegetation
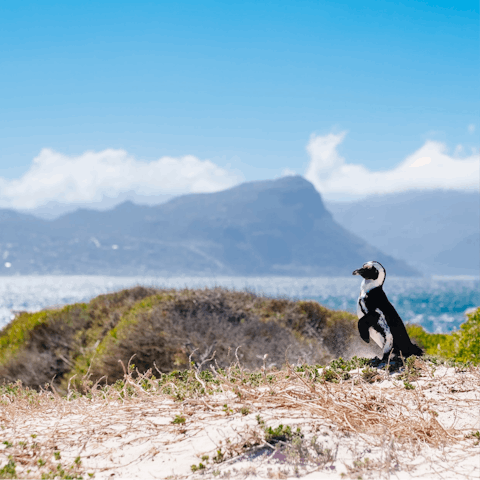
{"x": 166, "y": 330}
{"x": 169, "y": 329}
{"x": 142, "y": 380}
{"x": 462, "y": 345}
{"x": 346, "y": 418}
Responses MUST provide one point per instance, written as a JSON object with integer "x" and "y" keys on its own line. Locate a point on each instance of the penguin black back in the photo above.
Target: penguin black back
{"x": 377, "y": 299}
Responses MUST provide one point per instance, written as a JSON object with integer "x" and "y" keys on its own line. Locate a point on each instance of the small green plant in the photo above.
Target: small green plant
{"x": 408, "y": 385}
{"x": 8, "y": 470}
{"x": 57, "y": 455}
{"x": 330, "y": 375}
{"x": 60, "y": 473}
{"x": 370, "y": 374}
{"x": 41, "y": 462}
{"x": 219, "y": 457}
{"x": 475, "y": 436}
{"x": 244, "y": 410}
{"x": 196, "y": 468}
{"x": 348, "y": 365}
{"x": 410, "y": 363}
{"x": 7, "y": 444}
{"x": 260, "y": 421}
{"x": 281, "y": 433}
{"x": 205, "y": 458}
{"x": 178, "y": 420}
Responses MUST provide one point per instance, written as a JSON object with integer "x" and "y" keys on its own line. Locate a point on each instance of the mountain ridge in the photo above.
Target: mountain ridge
{"x": 274, "y": 227}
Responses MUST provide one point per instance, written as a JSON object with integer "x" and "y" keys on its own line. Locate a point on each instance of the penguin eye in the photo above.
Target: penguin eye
{"x": 372, "y": 272}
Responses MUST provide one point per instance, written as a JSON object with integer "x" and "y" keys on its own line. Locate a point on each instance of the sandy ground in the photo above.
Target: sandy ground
{"x": 424, "y": 432}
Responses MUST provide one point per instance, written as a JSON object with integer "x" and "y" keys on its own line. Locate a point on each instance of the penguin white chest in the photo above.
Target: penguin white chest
{"x": 361, "y": 307}
{"x": 382, "y": 335}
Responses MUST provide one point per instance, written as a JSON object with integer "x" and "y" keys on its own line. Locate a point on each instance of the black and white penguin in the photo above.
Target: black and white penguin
{"x": 378, "y": 319}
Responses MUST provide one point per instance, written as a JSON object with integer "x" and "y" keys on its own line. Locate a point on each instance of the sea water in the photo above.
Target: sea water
{"x": 438, "y": 304}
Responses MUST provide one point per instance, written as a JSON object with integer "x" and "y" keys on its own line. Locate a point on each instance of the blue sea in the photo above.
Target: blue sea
{"x": 437, "y": 303}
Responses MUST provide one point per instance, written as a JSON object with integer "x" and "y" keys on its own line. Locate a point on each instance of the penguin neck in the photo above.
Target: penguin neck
{"x": 368, "y": 284}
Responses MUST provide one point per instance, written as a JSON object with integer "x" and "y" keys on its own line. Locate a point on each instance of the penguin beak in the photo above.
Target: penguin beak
{"x": 358, "y": 272}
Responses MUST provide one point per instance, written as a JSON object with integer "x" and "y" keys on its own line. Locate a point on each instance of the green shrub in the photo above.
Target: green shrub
{"x": 462, "y": 345}
{"x": 36, "y": 347}
{"x": 167, "y": 330}
{"x": 468, "y": 339}
{"x": 436, "y": 344}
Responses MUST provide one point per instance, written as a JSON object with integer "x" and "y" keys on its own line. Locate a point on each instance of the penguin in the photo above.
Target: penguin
{"x": 378, "y": 319}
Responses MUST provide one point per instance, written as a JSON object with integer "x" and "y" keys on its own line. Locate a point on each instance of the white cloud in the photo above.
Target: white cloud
{"x": 92, "y": 176}
{"x": 430, "y": 167}
{"x": 471, "y": 128}
{"x": 458, "y": 150}
{"x": 288, "y": 172}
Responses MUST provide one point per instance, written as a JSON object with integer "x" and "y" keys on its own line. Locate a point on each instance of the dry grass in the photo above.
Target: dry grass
{"x": 234, "y": 415}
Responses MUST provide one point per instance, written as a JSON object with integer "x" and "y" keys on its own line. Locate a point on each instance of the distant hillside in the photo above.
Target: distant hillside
{"x": 437, "y": 232}
{"x": 277, "y": 227}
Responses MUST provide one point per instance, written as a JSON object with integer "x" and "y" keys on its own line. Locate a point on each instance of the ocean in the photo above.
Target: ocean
{"x": 438, "y": 304}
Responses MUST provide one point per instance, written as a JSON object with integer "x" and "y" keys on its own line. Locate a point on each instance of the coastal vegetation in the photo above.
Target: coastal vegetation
{"x": 170, "y": 330}
{"x": 462, "y": 345}
{"x": 167, "y": 330}
{"x": 169, "y": 366}
{"x": 345, "y": 416}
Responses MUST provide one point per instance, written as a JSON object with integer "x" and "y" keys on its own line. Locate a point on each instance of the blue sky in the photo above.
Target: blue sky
{"x": 243, "y": 84}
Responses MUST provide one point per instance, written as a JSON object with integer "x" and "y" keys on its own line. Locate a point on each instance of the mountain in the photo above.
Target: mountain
{"x": 278, "y": 227}
{"x": 53, "y": 209}
{"x": 438, "y": 231}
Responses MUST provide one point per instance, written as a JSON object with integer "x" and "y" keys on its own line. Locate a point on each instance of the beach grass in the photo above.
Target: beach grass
{"x": 49, "y": 435}
{"x": 127, "y": 382}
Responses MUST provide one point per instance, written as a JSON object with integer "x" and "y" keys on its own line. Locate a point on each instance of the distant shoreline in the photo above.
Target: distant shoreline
{"x": 436, "y": 303}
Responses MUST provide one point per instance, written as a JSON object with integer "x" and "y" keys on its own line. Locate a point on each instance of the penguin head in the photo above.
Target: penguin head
{"x": 372, "y": 271}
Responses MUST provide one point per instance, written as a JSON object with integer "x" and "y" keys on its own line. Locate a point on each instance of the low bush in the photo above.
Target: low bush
{"x": 462, "y": 345}
{"x": 166, "y": 330}
{"x": 37, "y": 348}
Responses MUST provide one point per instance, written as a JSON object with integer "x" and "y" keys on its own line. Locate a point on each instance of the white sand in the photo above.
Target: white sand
{"x": 136, "y": 439}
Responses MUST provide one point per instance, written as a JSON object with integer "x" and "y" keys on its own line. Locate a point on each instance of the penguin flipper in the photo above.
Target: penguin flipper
{"x": 365, "y": 323}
